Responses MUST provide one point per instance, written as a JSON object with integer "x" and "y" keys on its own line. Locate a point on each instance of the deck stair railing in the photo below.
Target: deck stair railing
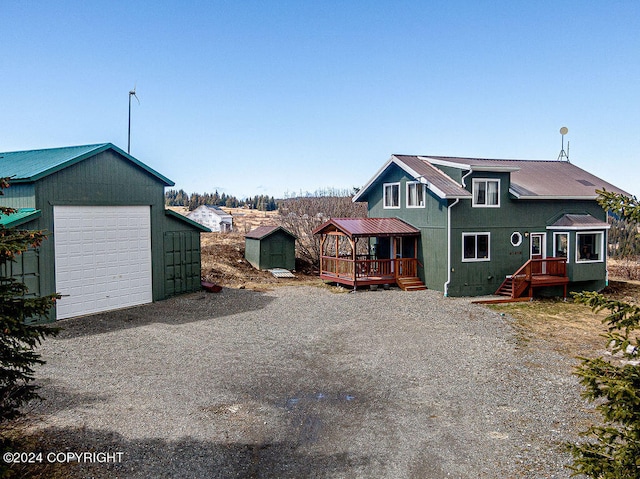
{"x": 535, "y": 272}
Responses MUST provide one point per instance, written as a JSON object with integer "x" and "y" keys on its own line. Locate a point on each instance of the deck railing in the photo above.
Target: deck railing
{"x": 537, "y": 267}
{"x": 369, "y": 268}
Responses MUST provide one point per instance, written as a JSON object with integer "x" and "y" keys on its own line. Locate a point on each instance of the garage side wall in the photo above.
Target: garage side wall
{"x": 182, "y": 258}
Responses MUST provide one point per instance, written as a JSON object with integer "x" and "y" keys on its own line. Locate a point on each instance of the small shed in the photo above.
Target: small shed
{"x": 268, "y": 247}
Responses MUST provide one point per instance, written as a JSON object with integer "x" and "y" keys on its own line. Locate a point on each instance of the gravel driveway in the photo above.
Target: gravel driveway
{"x": 302, "y": 382}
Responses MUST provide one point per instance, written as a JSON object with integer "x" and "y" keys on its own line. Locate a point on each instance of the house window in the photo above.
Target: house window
{"x": 415, "y": 194}
{"x": 589, "y": 247}
{"x": 486, "y": 193}
{"x": 516, "y": 238}
{"x": 561, "y": 245}
{"x": 392, "y": 195}
{"x": 475, "y": 246}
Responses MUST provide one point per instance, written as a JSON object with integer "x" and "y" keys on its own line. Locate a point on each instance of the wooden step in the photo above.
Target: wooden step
{"x": 506, "y": 288}
{"x": 411, "y": 284}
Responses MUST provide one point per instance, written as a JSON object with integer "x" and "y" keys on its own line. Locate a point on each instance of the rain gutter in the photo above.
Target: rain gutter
{"x": 448, "y": 282}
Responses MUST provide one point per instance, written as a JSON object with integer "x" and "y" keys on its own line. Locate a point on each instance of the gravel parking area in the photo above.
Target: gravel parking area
{"x": 303, "y": 382}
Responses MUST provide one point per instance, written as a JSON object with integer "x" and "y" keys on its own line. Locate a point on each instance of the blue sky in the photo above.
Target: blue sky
{"x": 269, "y": 97}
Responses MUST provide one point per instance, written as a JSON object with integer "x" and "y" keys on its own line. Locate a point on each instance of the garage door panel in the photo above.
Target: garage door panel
{"x": 103, "y": 258}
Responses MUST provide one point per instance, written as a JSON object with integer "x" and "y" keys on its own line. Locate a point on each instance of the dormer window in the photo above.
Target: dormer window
{"x": 486, "y": 193}
{"x": 415, "y": 194}
{"x": 391, "y": 195}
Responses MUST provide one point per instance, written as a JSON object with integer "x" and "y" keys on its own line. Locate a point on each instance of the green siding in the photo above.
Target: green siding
{"x": 484, "y": 277}
{"x": 181, "y": 262}
{"x": 523, "y": 216}
{"x": 252, "y": 251}
{"x": 109, "y": 179}
{"x": 430, "y": 220}
{"x": 19, "y": 196}
{"x": 277, "y": 250}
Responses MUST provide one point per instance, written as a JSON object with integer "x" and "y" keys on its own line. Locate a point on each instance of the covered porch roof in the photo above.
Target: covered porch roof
{"x": 367, "y": 227}
{"x": 578, "y": 222}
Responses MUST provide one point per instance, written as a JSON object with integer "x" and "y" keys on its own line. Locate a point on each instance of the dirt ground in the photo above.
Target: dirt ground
{"x": 223, "y": 260}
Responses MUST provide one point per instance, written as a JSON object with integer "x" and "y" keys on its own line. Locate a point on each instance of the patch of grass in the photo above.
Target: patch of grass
{"x": 572, "y": 329}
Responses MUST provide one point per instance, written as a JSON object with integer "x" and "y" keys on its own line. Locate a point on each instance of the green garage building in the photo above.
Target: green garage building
{"x": 111, "y": 244}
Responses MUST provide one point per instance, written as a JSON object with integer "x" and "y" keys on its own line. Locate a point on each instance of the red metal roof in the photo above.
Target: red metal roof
{"x": 368, "y": 227}
{"x": 262, "y": 231}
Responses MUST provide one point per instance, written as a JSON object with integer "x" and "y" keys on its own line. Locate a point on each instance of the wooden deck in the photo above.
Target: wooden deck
{"x": 363, "y": 272}
{"x": 535, "y": 273}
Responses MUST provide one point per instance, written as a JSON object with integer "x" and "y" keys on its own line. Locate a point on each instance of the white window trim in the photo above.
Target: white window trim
{"x": 518, "y": 242}
{"x": 473, "y": 192}
{"x": 424, "y": 194}
{"x": 476, "y": 260}
{"x": 384, "y": 196}
{"x": 603, "y": 241}
{"x": 555, "y": 252}
{"x": 543, "y": 244}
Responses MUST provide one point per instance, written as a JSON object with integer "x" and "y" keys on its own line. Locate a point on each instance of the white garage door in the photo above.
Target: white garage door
{"x": 102, "y": 258}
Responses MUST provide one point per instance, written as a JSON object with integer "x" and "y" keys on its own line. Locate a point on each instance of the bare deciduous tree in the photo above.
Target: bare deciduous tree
{"x": 302, "y": 214}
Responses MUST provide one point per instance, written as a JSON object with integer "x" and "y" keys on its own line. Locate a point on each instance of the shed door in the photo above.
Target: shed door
{"x": 102, "y": 258}
{"x": 276, "y": 252}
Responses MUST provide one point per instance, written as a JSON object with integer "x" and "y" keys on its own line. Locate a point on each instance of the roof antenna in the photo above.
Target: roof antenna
{"x": 131, "y": 93}
{"x": 564, "y": 155}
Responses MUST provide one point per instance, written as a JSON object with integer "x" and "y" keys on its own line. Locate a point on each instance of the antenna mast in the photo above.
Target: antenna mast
{"x": 564, "y": 155}
{"x": 131, "y": 93}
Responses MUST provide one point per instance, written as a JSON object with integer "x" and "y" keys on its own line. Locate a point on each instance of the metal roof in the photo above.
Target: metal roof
{"x": 436, "y": 180}
{"x": 20, "y": 216}
{"x": 354, "y": 227}
{"x": 537, "y": 179}
{"x": 32, "y": 165}
{"x": 579, "y": 222}
{"x": 529, "y": 179}
{"x": 263, "y": 231}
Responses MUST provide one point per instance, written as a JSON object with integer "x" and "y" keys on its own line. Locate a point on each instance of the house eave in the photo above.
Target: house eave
{"x": 579, "y": 228}
{"x": 552, "y": 197}
{"x": 464, "y": 166}
{"x": 410, "y": 171}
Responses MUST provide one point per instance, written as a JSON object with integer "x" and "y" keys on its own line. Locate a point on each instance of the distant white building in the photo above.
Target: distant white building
{"x": 213, "y": 217}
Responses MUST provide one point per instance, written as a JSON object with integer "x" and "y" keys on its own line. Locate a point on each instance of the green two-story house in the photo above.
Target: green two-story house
{"x": 485, "y": 223}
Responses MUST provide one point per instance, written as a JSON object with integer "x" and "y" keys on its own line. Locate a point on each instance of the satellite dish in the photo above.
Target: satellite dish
{"x": 564, "y": 130}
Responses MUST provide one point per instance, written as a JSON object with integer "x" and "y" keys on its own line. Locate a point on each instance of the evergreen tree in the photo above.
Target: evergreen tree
{"x": 613, "y": 448}
{"x": 18, "y": 339}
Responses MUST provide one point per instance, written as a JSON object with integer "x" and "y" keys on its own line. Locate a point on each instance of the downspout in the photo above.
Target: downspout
{"x": 446, "y": 285}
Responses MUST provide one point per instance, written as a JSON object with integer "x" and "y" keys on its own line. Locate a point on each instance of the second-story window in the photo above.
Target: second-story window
{"x": 486, "y": 193}
{"x": 415, "y": 195}
{"x": 392, "y": 195}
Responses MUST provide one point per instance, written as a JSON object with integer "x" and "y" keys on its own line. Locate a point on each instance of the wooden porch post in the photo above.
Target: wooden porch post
{"x": 393, "y": 259}
{"x": 353, "y": 242}
{"x": 323, "y": 238}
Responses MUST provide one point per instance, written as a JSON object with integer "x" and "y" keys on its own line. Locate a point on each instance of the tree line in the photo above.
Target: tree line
{"x": 193, "y": 200}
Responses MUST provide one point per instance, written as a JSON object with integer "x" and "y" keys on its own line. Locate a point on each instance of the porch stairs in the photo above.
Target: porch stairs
{"x": 410, "y": 283}
{"x": 535, "y": 273}
{"x": 506, "y": 288}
